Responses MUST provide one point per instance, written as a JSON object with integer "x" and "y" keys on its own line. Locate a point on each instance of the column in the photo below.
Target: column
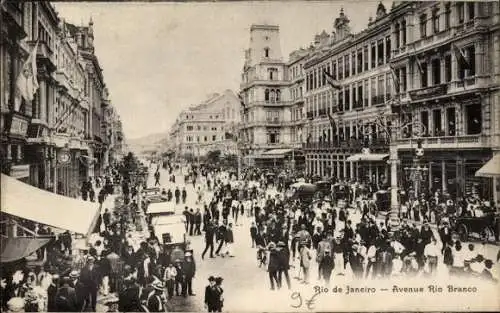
{"x": 338, "y": 167}
{"x": 370, "y": 170}
{"x": 376, "y": 53}
{"x": 429, "y": 72}
{"x": 351, "y": 170}
{"x": 429, "y": 166}
{"x": 393, "y": 152}
{"x": 345, "y": 168}
{"x": 43, "y": 100}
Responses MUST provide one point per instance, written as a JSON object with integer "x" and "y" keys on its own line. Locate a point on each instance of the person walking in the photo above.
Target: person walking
{"x": 197, "y": 222}
{"x": 211, "y": 296}
{"x": 91, "y": 278}
{"x": 209, "y": 239}
{"x": 305, "y": 261}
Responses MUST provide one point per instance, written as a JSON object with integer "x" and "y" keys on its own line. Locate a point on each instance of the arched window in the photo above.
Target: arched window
{"x": 278, "y": 95}
{"x": 273, "y": 95}
{"x": 266, "y": 95}
{"x": 266, "y": 52}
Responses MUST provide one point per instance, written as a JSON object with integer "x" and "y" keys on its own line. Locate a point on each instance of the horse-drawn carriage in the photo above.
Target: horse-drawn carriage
{"x": 485, "y": 227}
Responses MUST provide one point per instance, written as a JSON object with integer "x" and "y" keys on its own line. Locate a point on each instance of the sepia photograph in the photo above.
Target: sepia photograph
{"x": 249, "y": 156}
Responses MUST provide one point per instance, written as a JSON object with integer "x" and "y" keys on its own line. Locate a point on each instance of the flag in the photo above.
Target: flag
{"x": 332, "y": 122}
{"x": 395, "y": 79}
{"x": 332, "y": 81}
{"x": 419, "y": 65}
{"x": 27, "y": 83}
{"x": 461, "y": 57}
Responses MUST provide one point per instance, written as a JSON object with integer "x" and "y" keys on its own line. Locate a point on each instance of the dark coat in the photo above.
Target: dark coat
{"x": 91, "y": 278}
{"x": 189, "y": 269}
{"x": 66, "y": 300}
{"x": 129, "y": 300}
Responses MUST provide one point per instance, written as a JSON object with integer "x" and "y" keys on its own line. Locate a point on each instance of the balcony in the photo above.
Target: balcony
{"x": 271, "y": 103}
{"x": 451, "y": 142}
{"x": 377, "y": 100}
{"x": 45, "y": 54}
{"x": 309, "y": 115}
{"x": 298, "y": 100}
{"x": 358, "y": 105}
{"x": 428, "y": 92}
{"x": 274, "y": 121}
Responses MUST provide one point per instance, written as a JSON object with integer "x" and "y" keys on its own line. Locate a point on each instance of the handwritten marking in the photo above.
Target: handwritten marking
{"x": 309, "y": 302}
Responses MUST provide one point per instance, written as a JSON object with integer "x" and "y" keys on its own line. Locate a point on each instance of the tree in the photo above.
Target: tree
{"x": 130, "y": 164}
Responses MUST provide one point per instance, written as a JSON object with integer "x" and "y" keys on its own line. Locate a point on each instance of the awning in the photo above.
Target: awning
{"x": 14, "y": 249}
{"x": 167, "y": 207}
{"x": 28, "y": 202}
{"x": 491, "y": 168}
{"x": 274, "y": 154}
{"x": 368, "y": 157}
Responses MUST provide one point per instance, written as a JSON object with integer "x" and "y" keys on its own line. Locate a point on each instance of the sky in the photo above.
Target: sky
{"x": 160, "y": 58}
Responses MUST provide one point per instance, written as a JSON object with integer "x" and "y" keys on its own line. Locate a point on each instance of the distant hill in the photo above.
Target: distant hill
{"x": 148, "y": 142}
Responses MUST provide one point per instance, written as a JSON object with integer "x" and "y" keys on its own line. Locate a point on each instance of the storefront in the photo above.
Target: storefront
{"x": 450, "y": 172}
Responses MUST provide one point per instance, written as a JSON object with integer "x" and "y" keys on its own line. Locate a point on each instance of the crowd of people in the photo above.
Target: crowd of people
{"x": 291, "y": 238}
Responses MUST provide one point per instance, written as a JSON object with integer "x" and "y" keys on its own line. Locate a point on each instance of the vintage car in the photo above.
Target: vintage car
{"x": 302, "y": 191}
{"x": 485, "y": 227}
{"x": 172, "y": 237}
{"x": 153, "y": 195}
{"x": 324, "y": 188}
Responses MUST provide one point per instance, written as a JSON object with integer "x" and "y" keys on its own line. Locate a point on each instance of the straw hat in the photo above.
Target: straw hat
{"x": 16, "y": 304}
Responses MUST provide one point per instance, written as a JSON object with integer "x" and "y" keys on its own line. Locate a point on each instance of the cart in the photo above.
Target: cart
{"x": 485, "y": 228}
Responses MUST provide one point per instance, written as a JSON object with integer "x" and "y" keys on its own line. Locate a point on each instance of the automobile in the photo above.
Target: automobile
{"x": 173, "y": 238}
{"x": 302, "y": 191}
{"x": 485, "y": 227}
{"x": 153, "y": 195}
{"x": 324, "y": 188}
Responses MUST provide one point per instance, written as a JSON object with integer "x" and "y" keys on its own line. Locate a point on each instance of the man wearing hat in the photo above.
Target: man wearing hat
{"x": 210, "y": 295}
{"x": 284, "y": 263}
{"x": 79, "y": 289}
{"x": 189, "y": 269}
{"x": 91, "y": 279}
{"x": 155, "y": 302}
{"x": 129, "y": 297}
{"x": 66, "y": 297}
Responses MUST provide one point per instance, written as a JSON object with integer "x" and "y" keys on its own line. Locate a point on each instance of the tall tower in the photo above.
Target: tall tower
{"x": 265, "y": 93}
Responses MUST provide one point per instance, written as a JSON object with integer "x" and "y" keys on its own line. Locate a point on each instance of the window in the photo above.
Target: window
{"x": 473, "y": 119}
{"x": 353, "y": 65}
{"x": 461, "y": 12}
{"x": 387, "y": 48}
{"x": 360, "y": 61}
{"x": 402, "y": 78}
{"x": 347, "y": 97}
{"x": 213, "y": 138}
{"x": 341, "y": 101}
{"x": 470, "y": 52}
{"x": 403, "y": 32}
{"x": 315, "y": 80}
{"x": 347, "y": 67}
{"x": 436, "y": 120}
{"x": 189, "y": 128}
{"x": 334, "y": 70}
{"x": 435, "y": 21}
{"x": 447, "y": 16}
{"x": 423, "y": 75}
{"x": 365, "y": 60}
{"x": 266, "y": 95}
{"x": 424, "y": 119}
{"x": 373, "y": 55}
{"x": 447, "y": 67}
{"x": 365, "y": 94}
{"x": 380, "y": 47}
{"x": 205, "y": 138}
{"x": 272, "y": 73}
{"x": 470, "y": 8}
{"x": 398, "y": 35}
{"x": 436, "y": 71}
{"x": 341, "y": 68}
{"x": 450, "y": 121}
{"x": 423, "y": 26}
{"x": 266, "y": 52}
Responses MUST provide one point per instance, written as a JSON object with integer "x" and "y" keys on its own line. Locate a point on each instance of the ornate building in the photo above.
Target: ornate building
{"x": 62, "y": 136}
{"x": 266, "y": 129}
{"x": 209, "y": 126}
{"x": 360, "y": 64}
{"x": 446, "y": 56}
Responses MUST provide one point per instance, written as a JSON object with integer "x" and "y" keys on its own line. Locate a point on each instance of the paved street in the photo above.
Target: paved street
{"x": 246, "y": 286}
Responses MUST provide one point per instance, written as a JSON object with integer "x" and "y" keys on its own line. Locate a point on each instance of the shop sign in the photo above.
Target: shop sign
{"x": 429, "y": 92}
{"x": 20, "y": 171}
{"x": 18, "y": 126}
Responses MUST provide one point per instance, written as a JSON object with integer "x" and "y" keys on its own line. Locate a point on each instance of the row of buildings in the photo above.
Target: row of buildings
{"x": 355, "y": 106}
{"x": 70, "y": 131}
{"x": 211, "y": 125}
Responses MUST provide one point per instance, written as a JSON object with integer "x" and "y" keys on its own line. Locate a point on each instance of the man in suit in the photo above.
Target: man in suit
{"x": 66, "y": 297}
{"x": 79, "y": 289}
{"x": 129, "y": 297}
{"x": 91, "y": 279}
{"x": 189, "y": 269}
{"x": 210, "y": 295}
{"x": 209, "y": 239}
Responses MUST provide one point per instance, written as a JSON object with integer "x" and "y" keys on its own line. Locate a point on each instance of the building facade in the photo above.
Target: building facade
{"x": 209, "y": 126}
{"x": 422, "y": 76}
{"x": 266, "y": 115}
{"x": 49, "y": 142}
{"x": 446, "y": 55}
{"x": 360, "y": 63}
